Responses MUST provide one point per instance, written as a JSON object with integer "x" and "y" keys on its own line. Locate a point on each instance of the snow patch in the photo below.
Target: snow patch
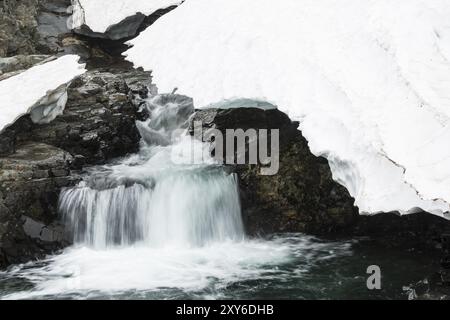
{"x": 368, "y": 80}
{"x": 40, "y": 90}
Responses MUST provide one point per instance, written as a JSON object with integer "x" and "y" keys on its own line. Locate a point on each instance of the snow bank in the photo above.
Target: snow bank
{"x": 368, "y": 79}
{"x": 38, "y": 90}
{"x": 99, "y": 15}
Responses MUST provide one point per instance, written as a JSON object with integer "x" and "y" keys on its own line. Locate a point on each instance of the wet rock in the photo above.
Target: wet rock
{"x": 418, "y": 230}
{"x": 98, "y": 122}
{"x": 29, "y": 192}
{"x": 302, "y": 196}
{"x": 29, "y": 171}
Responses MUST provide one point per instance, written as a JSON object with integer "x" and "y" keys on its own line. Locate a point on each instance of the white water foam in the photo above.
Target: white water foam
{"x": 83, "y": 272}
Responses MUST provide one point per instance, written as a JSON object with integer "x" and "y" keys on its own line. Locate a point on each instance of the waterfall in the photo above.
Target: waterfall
{"x": 150, "y": 199}
{"x": 165, "y": 223}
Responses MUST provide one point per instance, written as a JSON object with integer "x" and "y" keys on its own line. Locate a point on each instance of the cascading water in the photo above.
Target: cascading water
{"x": 165, "y": 223}
{"x": 149, "y": 200}
{"x": 185, "y": 209}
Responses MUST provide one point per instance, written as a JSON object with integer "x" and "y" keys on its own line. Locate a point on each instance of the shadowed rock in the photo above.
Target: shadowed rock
{"x": 302, "y": 197}
{"x": 38, "y": 160}
{"x": 99, "y": 119}
{"x": 30, "y": 181}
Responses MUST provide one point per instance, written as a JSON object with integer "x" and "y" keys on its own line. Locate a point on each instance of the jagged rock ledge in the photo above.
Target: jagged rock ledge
{"x": 38, "y": 160}
{"x": 140, "y": 17}
{"x": 302, "y": 196}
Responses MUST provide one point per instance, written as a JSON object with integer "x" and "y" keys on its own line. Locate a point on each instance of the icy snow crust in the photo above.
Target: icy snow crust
{"x": 20, "y": 93}
{"x": 98, "y": 15}
{"x": 368, "y": 79}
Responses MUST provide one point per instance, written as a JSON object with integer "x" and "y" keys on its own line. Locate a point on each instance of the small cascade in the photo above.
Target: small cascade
{"x": 150, "y": 199}
{"x": 165, "y": 223}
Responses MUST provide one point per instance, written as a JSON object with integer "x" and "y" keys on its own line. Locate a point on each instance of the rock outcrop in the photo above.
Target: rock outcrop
{"x": 37, "y": 160}
{"x": 98, "y": 122}
{"x": 52, "y": 25}
{"x": 302, "y": 196}
{"x": 30, "y": 181}
{"x": 41, "y": 155}
{"x": 32, "y": 26}
{"x": 129, "y": 27}
{"x": 18, "y": 25}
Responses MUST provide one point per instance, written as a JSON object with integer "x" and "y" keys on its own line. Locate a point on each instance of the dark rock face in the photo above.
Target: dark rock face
{"x": 126, "y": 29}
{"x": 13, "y": 65}
{"x": 437, "y": 285}
{"x": 390, "y": 229}
{"x": 302, "y": 197}
{"x": 36, "y": 161}
{"x": 416, "y": 232}
{"x": 32, "y": 26}
{"x": 18, "y": 27}
{"x": 30, "y": 181}
{"x": 40, "y": 27}
{"x": 98, "y": 122}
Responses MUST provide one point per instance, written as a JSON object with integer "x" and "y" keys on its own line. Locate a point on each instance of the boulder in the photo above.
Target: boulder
{"x": 302, "y": 196}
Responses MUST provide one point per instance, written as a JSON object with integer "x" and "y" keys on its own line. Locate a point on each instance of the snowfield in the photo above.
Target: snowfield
{"x": 22, "y": 93}
{"x": 99, "y": 15}
{"x": 368, "y": 79}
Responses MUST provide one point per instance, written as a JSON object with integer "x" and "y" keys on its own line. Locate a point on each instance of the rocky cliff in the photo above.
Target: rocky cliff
{"x": 98, "y": 124}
